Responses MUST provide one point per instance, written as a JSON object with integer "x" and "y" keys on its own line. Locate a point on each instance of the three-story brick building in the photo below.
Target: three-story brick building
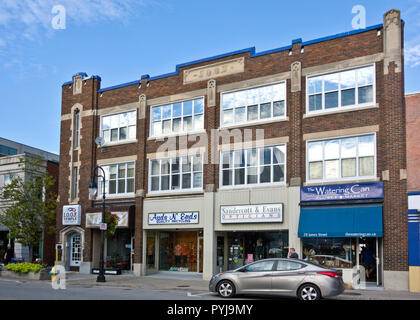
{"x": 241, "y": 156}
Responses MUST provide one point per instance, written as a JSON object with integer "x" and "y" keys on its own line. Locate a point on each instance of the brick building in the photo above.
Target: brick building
{"x": 241, "y": 156}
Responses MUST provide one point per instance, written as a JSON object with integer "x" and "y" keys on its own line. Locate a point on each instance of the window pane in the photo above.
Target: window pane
{"x": 332, "y": 149}
{"x": 121, "y": 186}
{"x": 265, "y": 110}
{"x": 177, "y": 125}
{"x": 114, "y": 134}
{"x": 266, "y": 94}
{"x": 348, "y": 97}
{"x": 164, "y": 166}
{"x": 197, "y": 163}
{"x": 132, "y": 132}
{"x": 348, "y": 147}
{"x": 106, "y": 135}
{"x": 253, "y": 113}
{"x": 186, "y": 181}
{"x": 227, "y": 160}
{"x": 227, "y": 177}
{"x": 265, "y": 175}
{"x": 123, "y": 133}
{"x": 177, "y": 110}
{"x": 130, "y": 185}
{"x": 240, "y": 115}
{"x": 164, "y": 183}
{"x": 115, "y": 121}
{"x": 366, "y": 146}
{"x": 227, "y": 116}
{"x": 187, "y": 108}
{"x": 175, "y": 184}
{"x": 228, "y": 100}
{"x": 121, "y": 171}
{"x": 166, "y": 112}
{"x": 156, "y": 113}
{"x": 348, "y": 167}
{"x": 198, "y": 177}
{"x": 113, "y": 172}
{"x": 315, "y": 151}
{"x": 278, "y": 109}
{"x": 278, "y": 154}
{"x": 123, "y": 119}
{"x": 252, "y": 175}
{"x": 348, "y": 79}
{"x": 198, "y": 122}
{"x": 278, "y": 173}
{"x": 155, "y": 183}
{"x": 239, "y": 159}
{"x": 198, "y": 106}
{"x": 279, "y": 91}
{"x": 331, "y": 100}
{"x": 265, "y": 156}
{"x": 175, "y": 165}
{"x": 331, "y": 82}
{"x": 186, "y": 164}
{"x": 315, "y": 85}
{"x": 112, "y": 187}
{"x": 331, "y": 169}
{"x": 241, "y": 98}
{"x": 106, "y": 123}
{"x": 366, "y": 94}
{"x": 253, "y": 96}
{"x": 239, "y": 176}
{"x": 366, "y": 166}
{"x": 315, "y": 102}
{"x": 132, "y": 118}
{"x": 155, "y": 167}
{"x": 157, "y": 128}
{"x": 252, "y": 157}
{"x": 315, "y": 170}
{"x": 261, "y": 266}
{"x": 166, "y": 124}
{"x": 365, "y": 76}
{"x": 130, "y": 170}
{"x": 187, "y": 123}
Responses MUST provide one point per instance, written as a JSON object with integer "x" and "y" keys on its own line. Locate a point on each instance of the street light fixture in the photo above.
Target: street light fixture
{"x": 93, "y": 189}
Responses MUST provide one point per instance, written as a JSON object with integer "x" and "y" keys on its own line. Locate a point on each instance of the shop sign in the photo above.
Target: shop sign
{"x": 252, "y": 213}
{"x": 348, "y": 191}
{"x": 94, "y": 220}
{"x": 174, "y": 218}
{"x": 72, "y": 215}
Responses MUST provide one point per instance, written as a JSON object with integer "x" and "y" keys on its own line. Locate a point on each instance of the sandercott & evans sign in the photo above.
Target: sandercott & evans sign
{"x": 252, "y": 213}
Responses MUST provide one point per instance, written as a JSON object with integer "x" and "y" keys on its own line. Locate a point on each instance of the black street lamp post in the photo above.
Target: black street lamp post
{"x": 93, "y": 189}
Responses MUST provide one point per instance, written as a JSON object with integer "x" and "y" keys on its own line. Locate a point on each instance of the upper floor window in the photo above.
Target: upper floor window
{"x": 119, "y": 127}
{"x": 7, "y": 178}
{"x": 253, "y": 166}
{"x": 119, "y": 179}
{"x": 180, "y": 117}
{"x": 341, "y": 158}
{"x": 76, "y": 128}
{"x": 176, "y": 174}
{"x": 253, "y": 105}
{"x": 74, "y": 187}
{"x": 340, "y": 90}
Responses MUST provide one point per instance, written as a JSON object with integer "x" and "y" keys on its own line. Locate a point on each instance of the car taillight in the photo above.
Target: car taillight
{"x": 331, "y": 274}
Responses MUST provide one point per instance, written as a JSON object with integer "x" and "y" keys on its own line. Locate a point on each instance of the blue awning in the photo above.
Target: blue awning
{"x": 345, "y": 221}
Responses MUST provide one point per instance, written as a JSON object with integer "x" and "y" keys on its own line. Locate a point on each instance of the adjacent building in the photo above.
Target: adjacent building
{"x": 241, "y": 156}
{"x": 11, "y": 153}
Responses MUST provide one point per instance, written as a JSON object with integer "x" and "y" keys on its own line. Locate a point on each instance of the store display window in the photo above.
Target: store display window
{"x": 118, "y": 251}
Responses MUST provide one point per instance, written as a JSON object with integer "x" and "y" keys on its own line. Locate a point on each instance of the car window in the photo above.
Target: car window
{"x": 284, "y": 265}
{"x": 260, "y": 266}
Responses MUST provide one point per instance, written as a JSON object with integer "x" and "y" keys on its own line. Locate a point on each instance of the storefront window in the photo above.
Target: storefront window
{"x": 178, "y": 251}
{"x": 330, "y": 252}
{"x": 118, "y": 251}
{"x": 247, "y": 247}
{"x": 150, "y": 259}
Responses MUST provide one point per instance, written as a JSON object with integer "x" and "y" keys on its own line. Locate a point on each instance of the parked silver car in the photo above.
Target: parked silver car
{"x": 279, "y": 276}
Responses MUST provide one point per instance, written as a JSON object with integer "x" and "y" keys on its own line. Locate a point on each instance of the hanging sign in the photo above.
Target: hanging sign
{"x": 72, "y": 215}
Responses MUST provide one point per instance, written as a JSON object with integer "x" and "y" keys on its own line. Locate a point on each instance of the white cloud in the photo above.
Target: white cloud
{"x": 412, "y": 55}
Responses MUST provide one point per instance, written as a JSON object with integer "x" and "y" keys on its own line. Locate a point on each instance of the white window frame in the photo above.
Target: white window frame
{"x": 76, "y": 128}
{"x": 181, "y": 132}
{"x": 253, "y": 185}
{"x": 252, "y": 122}
{"x": 117, "y": 195}
{"x": 341, "y": 108}
{"x": 180, "y": 190}
{"x": 118, "y": 141}
{"x": 357, "y": 177}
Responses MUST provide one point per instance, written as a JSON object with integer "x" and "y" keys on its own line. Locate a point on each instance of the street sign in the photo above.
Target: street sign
{"x": 103, "y": 226}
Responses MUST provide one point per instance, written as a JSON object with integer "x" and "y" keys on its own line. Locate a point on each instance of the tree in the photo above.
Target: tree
{"x": 32, "y": 203}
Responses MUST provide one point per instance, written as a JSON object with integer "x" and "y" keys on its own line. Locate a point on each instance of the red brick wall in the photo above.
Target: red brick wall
{"x": 412, "y": 104}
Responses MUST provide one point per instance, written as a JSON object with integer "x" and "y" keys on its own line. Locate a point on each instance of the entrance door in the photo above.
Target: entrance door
{"x": 378, "y": 262}
{"x": 75, "y": 250}
{"x": 200, "y": 254}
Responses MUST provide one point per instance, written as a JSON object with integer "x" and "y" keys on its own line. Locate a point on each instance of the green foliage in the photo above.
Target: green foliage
{"x": 31, "y": 203}
{"x": 24, "y": 267}
{"x": 112, "y": 223}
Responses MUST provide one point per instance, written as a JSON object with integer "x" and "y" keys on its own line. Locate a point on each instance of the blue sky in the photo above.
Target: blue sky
{"x": 120, "y": 40}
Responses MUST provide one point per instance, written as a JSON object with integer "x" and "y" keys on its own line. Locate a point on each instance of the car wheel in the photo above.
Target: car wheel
{"x": 309, "y": 292}
{"x": 226, "y": 289}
